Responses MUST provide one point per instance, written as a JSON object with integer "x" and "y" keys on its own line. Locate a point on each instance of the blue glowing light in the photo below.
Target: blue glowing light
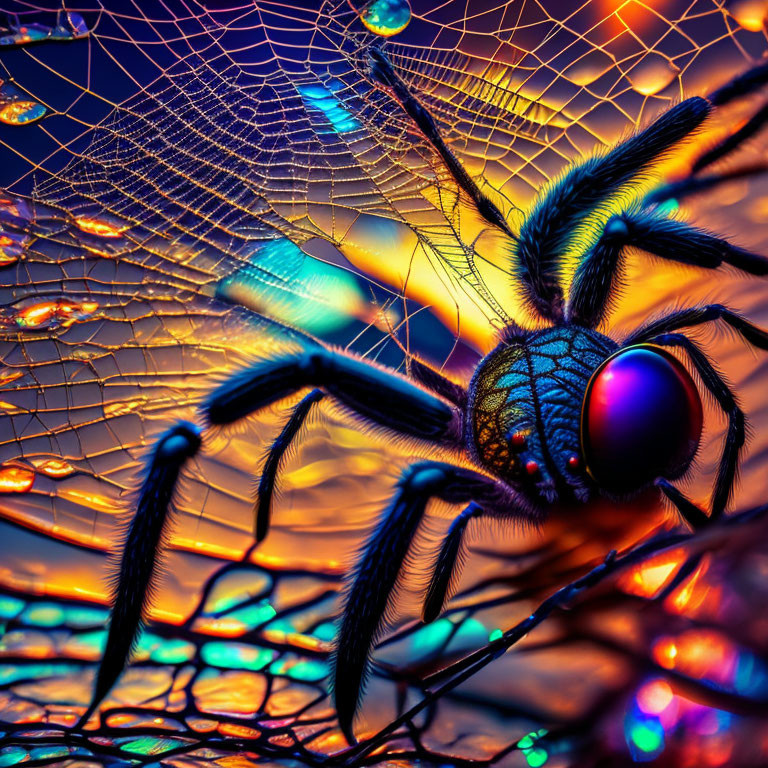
{"x": 321, "y": 98}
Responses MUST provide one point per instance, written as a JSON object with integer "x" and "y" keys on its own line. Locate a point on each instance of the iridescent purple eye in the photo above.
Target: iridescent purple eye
{"x": 641, "y": 419}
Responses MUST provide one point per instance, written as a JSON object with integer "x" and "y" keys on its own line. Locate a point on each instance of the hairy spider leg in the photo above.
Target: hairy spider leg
{"x": 688, "y": 318}
{"x": 437, "y": 383}
{"x": 741, "y": 85}
{"x": 546, "y": 230}
{"x": 266, "y": 489}
{"x": 378, "y": 567}
{"x": 663, "y": 329}
{"x": 133, "y": 583}
{"x": 733, "y": 141}
{"x": 734, "y": 439}
{"x": 423, "y": 373}
{"x": 384, "y": 72}
{"x": 383, "y": 397}
{"x": 693, "y": 185}
{"x": 447, "y": 566}
{"x": 599, "y": 271}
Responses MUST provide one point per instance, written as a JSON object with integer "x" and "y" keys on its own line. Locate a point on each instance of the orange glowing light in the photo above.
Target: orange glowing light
{"x": 698, "y": 653}
{"x": 7, "y": 376}
{"x": 90, "y": 500}
{"x": 98, "y": 228}
{"x": 15, "y": 479}
{"x": 242, "y": 731}
{"x": 655, "y": 696}
{"x": 54, "y": 467}
{"x": 221, "y": 627}
{"x": 749, "y": 14}
{"x": 665, "y": 652}
{"x": 647, "y": 578}
{"x": 294, "y": 639}
{"x": 37, "y": 314}
{"x": 692, "y": 593}
{"x": 67, "y": 312}
{"x": 214, "y": 550}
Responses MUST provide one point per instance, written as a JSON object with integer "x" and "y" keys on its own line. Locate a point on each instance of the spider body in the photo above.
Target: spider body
{"x": 524, "y": 408}
{"x": 559, "y": 414}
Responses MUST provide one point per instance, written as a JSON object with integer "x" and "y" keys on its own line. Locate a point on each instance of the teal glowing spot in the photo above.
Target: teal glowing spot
{"x": 236, "y": 655}
{"x": 536, "y": 757}
{"x": 147, "y": 643}
{"x": 10, "y": 607}
{"x": 322, "y": 99}
{"x": 668, "y": 207}
{"x": 253, "y": 615}
{"x": 48, "y": 753}
{"x": 282, "y": 625}
{"x": 386, "y": 17}
{"x": 43, "y": 615}
{"x": 309, "y": 670}
{"x": 325, "y": 631}
{"x": 86, "y": 617}
{"x": 11, "y": 673}
{"x": 644, "y": 736}
{"x": 430, "y": 638}
{"x": 12, "y": 755}
{"x": 445, "y": 634}
{"x": 244, "y": 584}
{"x": 92, "y": 641}
{"x": 283, "y": 282}
{"x": 149, "y": 745}
{"x": 173, "y": 652}
{"x": 497, "y": 634}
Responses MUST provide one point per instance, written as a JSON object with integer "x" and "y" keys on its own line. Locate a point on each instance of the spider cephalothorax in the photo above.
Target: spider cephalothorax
{"x": 560, "y": 413}
{"x": 524, "y": 409}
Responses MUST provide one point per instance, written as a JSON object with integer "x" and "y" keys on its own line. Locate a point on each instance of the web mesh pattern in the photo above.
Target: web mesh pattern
{"x": 182, "y": 182}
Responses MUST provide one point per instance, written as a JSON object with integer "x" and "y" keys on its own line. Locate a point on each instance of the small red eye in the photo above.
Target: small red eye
{"x": 641, "y": 419}
{"x": 531, "y": 467}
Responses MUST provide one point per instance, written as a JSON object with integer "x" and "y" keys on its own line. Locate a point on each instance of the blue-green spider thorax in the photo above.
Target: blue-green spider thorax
{"x": 525, "y": 403}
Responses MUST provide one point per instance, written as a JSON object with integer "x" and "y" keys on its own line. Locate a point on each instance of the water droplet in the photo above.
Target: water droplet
{"x": 652, "y": 74}
{"x": 53, "y": 313}
{"x": 589, "y": 68}
{"x": 15, "y": 479}
{"x": 55, "y": 468}
{"x": 386, "y": 17}
{"x": 69, "y": 26}
{"x": 98, "y": 227}
{"x": 749, "y": 14}
{"x": 20, "y": 111}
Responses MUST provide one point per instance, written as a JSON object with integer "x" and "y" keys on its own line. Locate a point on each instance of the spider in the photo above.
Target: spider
{"x": 557, "y": 415}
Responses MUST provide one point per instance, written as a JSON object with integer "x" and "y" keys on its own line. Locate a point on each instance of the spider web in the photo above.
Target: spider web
{"x": 202, "y": 177}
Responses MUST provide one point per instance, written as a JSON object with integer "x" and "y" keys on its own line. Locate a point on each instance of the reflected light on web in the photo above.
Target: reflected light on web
{"x": 98, "y": 228}
{"x": 15, "y": 479}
